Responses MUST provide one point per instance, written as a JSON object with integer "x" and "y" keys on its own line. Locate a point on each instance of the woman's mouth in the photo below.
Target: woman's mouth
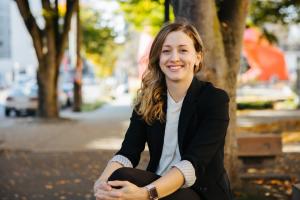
{"x": 174, "y": 68}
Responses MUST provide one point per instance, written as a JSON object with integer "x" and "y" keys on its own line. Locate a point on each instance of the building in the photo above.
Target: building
{"x": 16, "y": 48}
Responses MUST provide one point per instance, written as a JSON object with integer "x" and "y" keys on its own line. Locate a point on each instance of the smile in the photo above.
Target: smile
{"x": 174, "y": 67}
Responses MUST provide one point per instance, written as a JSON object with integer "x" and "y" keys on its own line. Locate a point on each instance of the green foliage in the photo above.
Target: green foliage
{"x": 98, "y": 41}
{"x": 283, "y": 11}
{"x": 95, "y": 35}
{"x": 278, "y": 12}
{"x": 255, "y": 105}
{"x": 88, "y": 107}
{"x": 145, "y": 13}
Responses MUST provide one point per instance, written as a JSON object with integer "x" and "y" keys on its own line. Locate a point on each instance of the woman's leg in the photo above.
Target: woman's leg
{"x": 142, "y": 178}
{"x": 138, "y": 177}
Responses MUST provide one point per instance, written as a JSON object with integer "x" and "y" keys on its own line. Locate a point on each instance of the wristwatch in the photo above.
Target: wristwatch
{"x": 153, "y": 195}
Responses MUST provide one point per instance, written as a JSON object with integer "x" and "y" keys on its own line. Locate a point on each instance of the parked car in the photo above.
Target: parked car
{"x": 23, "y": 99}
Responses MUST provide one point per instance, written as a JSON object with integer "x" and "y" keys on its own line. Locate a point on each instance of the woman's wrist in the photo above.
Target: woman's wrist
{"x": 144, "y": 193}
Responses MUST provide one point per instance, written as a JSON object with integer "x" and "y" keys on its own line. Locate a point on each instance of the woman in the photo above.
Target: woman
{"x": 184, "y": 123}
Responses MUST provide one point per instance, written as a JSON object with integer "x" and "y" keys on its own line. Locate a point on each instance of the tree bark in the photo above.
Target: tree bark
{"x": 222, "y": 33}
{"x": 232, "y": 15}
{"x": 49, "y": 45}
{"x": 78, "y": 68}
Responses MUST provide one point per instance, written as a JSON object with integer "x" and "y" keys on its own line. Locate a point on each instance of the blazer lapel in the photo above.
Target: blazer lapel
{"x": 187, "y": 109}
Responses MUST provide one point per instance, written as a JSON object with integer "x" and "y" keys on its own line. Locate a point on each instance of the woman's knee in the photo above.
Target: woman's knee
{"x": 121, "y": 174}
{"x": 135, "y": 176}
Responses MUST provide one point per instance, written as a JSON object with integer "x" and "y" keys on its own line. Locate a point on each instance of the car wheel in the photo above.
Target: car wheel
{"x": 7, "y": 112}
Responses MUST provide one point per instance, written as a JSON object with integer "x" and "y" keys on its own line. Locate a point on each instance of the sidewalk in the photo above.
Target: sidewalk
{"x": 101, "y": 129}
{"x": 60, "y": 159}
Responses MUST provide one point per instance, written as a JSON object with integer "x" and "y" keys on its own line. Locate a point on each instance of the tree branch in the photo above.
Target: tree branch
{"x": 71, "y": 5}
{"x": 56, "y": 22}
{"x": 49, "y": 16}
{"x": 32, "y": 27}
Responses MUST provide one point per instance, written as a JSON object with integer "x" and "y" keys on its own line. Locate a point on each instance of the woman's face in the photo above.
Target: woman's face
{"x": 178, "y": 57}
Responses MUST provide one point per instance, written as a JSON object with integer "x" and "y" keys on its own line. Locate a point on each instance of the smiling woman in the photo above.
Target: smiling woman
{"x": 183, "y": 121}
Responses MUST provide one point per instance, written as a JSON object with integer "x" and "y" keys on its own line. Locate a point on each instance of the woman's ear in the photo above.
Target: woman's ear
{"x": 199, "y": 57}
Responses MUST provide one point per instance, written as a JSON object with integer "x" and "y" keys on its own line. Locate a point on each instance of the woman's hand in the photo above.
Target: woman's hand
{"x": 128, "y": 191}
{"x": 101, "y": 185}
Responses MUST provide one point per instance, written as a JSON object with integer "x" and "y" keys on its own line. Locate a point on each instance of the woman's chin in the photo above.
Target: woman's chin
{"x": 174, "y": 79}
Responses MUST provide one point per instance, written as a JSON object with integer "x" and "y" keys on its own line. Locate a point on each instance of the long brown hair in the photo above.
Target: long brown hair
{"x": 149, "y": 101}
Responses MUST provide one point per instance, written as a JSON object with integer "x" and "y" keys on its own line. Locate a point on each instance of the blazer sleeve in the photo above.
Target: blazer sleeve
{"x": 135, "y": 139}
{"x": 210, "y": 133}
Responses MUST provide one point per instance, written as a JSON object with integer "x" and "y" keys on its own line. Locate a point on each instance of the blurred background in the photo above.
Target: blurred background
{"x": 70, "y": 69}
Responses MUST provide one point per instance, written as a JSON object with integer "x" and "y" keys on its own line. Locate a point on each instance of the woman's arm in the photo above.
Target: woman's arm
{"x": 109, "y": 169}
{"x": 165, "y": 185}
{"x": 101, "y": 182}
{"x": 169, "y": 183}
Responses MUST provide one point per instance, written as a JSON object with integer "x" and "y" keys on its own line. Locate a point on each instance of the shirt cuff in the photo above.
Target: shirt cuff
{"x": 188, "y": 171}
{"x": 122, "y": 160}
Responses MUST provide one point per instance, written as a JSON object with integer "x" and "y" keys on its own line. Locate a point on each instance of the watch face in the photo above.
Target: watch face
{"x": 153, "y": 193}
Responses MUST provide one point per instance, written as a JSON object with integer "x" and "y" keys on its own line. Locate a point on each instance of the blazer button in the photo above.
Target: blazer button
{"x": 204, "y": 188}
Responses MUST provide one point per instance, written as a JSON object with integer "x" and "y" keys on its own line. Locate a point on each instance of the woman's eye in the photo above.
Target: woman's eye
{"x": 166, "y": 51}
{"x": 183, "y": 50}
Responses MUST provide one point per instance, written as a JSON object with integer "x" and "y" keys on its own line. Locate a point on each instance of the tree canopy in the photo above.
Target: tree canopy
{"x": 98, "y": 41}
{"x": 146, "y": 13}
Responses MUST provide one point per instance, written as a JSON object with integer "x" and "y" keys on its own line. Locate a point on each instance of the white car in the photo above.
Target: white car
{"x": 23, "y": 99}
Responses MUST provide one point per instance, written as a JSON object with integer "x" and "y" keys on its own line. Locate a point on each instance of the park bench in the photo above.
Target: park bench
{"x": 258, "y": 152}
{"x": 259, "y": 145}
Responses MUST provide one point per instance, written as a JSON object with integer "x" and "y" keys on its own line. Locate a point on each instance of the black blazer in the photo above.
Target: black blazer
{"x": 202, "y": 127}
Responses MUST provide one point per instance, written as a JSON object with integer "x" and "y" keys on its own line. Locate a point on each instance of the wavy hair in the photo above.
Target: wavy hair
{"x": 149, "y": 102}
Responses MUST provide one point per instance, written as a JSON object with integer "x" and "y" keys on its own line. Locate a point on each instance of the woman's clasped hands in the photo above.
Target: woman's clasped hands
{"x": 126, "y": 191}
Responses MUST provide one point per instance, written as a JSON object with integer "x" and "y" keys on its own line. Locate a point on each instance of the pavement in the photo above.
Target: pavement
{"x": 101, "y": 129}
{"x": 61, "y": 159}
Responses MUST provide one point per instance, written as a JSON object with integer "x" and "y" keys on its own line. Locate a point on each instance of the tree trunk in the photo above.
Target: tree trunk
{"x": 78, "y": 69}
{"x": 47, "y": 90}
{"x": 221, "y": 30}
{"x": 49, "y": 44}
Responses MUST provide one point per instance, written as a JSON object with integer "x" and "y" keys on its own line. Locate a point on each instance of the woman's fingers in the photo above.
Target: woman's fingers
{"x": 118, "y": 183}
{"x": 101, "y": 185}
{"x": 108, "y": 195}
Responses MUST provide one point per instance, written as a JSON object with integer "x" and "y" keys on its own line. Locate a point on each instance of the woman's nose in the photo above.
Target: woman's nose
{"x": 174, "y": 56}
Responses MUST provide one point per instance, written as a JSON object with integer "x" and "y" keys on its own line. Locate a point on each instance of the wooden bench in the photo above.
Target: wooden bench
{"x": 259, "y": 145}
{"x": 258, "y": 152}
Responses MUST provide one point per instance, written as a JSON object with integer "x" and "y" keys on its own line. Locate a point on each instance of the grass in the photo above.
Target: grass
{"x": 259, "y": 105}
{"x": 255, "y": 105}
{"x": 88, "y": 107}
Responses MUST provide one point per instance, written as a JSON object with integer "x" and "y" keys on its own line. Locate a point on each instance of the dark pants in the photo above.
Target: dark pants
{"x": 142, "y": 178}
